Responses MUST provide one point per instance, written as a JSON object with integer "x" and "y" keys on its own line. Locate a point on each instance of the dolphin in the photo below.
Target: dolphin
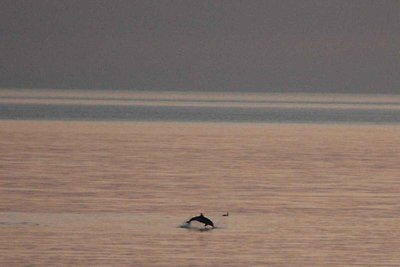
{"x": 202, "y": 219}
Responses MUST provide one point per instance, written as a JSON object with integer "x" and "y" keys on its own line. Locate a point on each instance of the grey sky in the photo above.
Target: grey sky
{"x": 271, "y": 46}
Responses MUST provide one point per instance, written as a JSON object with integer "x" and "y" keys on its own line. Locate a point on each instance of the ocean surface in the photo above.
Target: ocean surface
{"x": 109, "y": 179}
{"x": 199, "y": 107}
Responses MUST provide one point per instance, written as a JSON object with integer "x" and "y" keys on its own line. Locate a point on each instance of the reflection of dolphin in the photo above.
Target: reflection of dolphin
{"x": 202, "y": 219}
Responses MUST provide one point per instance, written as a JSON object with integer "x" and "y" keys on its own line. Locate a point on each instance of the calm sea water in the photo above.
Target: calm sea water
{"x": 196, "y": 107}
{"x": 92, "y": 191}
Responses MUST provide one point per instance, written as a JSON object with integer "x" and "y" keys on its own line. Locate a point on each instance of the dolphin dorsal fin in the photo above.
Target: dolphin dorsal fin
{"x": 201, "y": 215}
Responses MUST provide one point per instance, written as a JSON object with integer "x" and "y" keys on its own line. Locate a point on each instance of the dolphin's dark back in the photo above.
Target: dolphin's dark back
{"x": 196, "y": 218}
{"x": 202, "y": 219}
{"x": 207, "y": 221}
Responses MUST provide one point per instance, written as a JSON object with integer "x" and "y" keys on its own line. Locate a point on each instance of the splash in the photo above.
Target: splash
{"x": 195, "y": 227}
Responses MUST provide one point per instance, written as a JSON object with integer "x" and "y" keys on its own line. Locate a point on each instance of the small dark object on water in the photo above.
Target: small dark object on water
{"x": 202, "y": 219}
{"x": 226, "y": 214}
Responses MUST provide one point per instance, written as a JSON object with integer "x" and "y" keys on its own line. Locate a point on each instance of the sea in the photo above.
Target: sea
{"x": 109, "y": 178}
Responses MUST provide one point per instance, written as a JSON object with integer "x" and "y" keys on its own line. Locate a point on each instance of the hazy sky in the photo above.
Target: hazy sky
{"x": 280, "y": 46}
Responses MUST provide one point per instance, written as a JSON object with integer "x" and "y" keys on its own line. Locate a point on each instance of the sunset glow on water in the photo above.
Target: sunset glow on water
{"x": 101, "y": 192}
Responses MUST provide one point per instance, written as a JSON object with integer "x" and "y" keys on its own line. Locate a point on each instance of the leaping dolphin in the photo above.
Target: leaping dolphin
{"x": 202, "y": 219}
